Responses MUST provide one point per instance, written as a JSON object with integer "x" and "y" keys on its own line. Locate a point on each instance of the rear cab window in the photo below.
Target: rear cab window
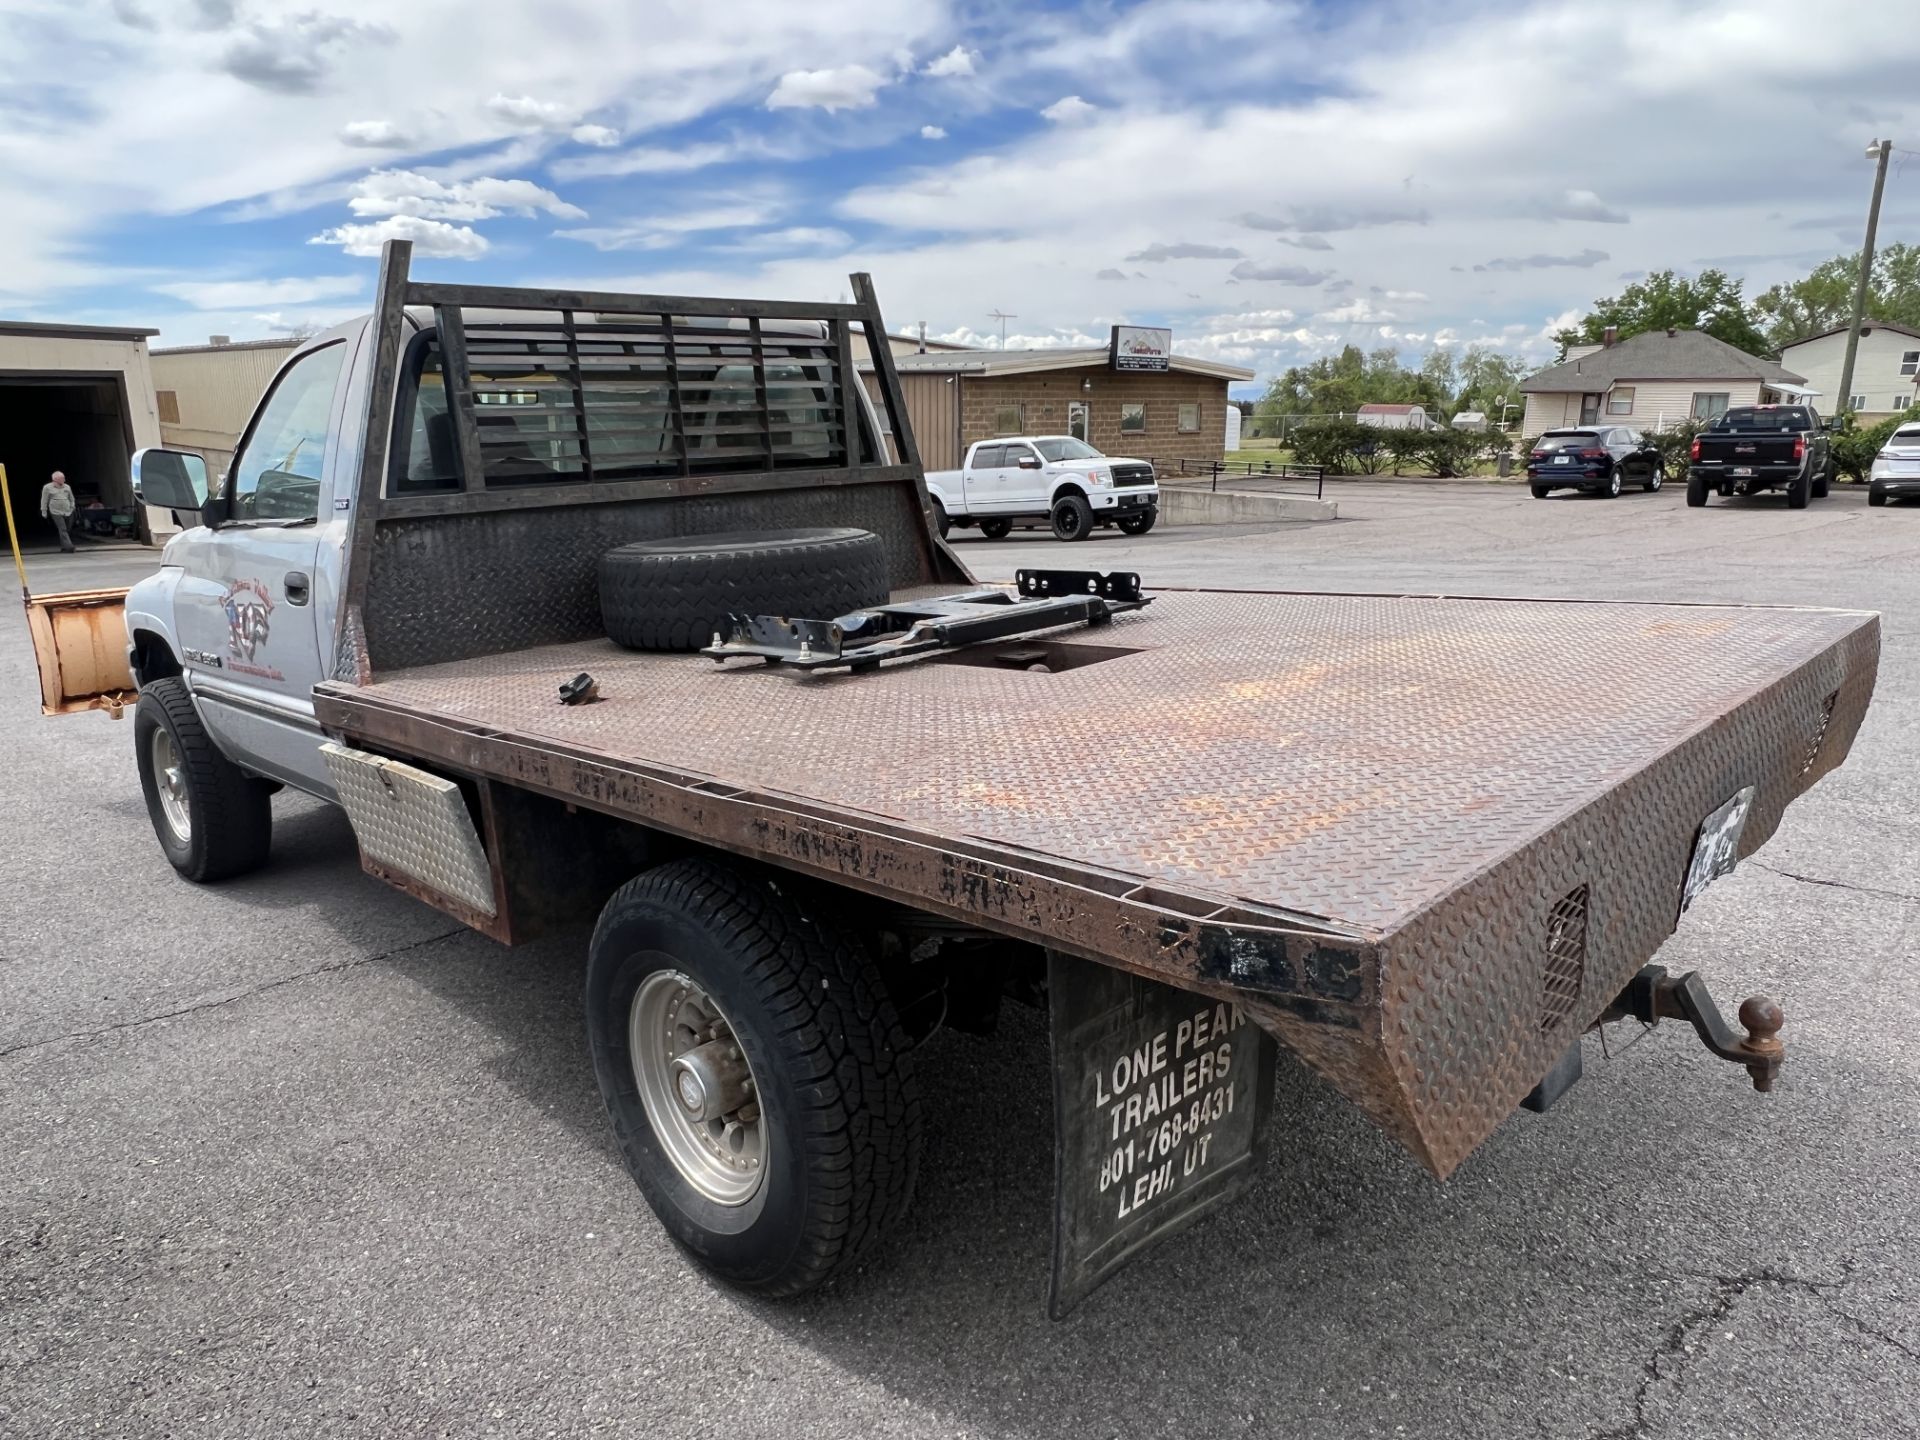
{"x": 1763, "y": 419}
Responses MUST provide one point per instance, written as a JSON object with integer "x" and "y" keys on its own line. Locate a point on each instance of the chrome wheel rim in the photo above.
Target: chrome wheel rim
{"x": 170, "y": 784}
{"x": 697, "y": 1088}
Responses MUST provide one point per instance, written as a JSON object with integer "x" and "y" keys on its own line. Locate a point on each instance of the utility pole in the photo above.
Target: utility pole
{"x": 1003, "y": 318}
{"x": 1879, "y": 150}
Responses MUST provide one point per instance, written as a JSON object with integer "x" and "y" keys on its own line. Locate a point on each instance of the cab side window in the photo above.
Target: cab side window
{"x": 276, "y": 475}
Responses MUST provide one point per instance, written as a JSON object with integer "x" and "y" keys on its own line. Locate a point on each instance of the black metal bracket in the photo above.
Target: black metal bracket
{"x": 1654, "y": 995}
{"x": 1046, "y": 600}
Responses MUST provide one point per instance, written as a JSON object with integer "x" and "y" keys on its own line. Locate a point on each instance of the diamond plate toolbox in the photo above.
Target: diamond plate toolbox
{"x": 413, "y": 824}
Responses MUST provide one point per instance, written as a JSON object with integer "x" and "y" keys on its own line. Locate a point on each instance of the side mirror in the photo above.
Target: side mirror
{"x": 1029, "y": 462}
{"x": 170, "y": 479}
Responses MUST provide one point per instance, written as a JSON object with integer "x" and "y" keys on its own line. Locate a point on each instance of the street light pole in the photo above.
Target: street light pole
{"x": 1880, "y": 150}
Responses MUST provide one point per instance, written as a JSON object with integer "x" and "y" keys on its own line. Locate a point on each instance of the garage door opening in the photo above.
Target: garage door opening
{"x": 77, "y": 426}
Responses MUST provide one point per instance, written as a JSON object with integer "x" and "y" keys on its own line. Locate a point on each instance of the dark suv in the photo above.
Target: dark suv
{"x": 1597, "y": 458}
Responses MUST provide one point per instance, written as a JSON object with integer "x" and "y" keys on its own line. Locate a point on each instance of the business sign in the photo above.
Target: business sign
{"x": 1136, "y": 347}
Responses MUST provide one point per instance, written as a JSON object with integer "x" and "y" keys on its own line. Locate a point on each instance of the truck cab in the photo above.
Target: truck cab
{"x": 1751, "y": 448}
{"x": 1049, "y": 479}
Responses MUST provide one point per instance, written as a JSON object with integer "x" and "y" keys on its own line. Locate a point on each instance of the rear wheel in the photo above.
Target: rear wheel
{"x": 1072, "y": 518}
{"x": 1876, "y": 497}
{"x": 1540, "y": 492}
{"x": 1696, "y": 490}
{"x": 1656, "y": 477}
{"x": 1612, "y": 486}
{"x": 212, "y": 819}
{"x": 755, "y": 1073}
{"x": 1138, "y": 523}
{"x": 940, "y": 520}
{"x": 996, "y": 529}
{"x": 1799, "y": 489}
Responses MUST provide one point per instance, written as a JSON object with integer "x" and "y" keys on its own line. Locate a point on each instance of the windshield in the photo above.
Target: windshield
{"x": 1567, "y": 440}
{"x": 1766, "y": 417}
{"x": 1062, "y": 447}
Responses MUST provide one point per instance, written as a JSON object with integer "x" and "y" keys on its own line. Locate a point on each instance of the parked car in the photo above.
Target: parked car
{"x": 1762, "y": 447}
{"x": 1600, "y": 459}
{"x": 1896, "y": 469}
{"x": 1052, "y": 478}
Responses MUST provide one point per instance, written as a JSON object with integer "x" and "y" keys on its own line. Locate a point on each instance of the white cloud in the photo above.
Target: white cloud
{"x": 602, "y": 136}
{"x": 1070, "y": 110}
{"x": 295, "y": 55}
{"x": 1357, "y": 311}
{"x": 526, "y": 113}
{"x": 957, "y": 61}
{"x": 1580, "y": 205}
{"x": 932, "y": 132}
{"x": 408, "y": 192}
{"x": 1406, "y": 295}
{"x": 657, "y": 232}
{"x": 1063, "y": 339}
{"x": 796, "y": 238}
{"x": 432, "y": 239}
{"x": 848, "y": 87}
{"x": 245, "y": 294}
{"x": 375, "y": 135}
{"x": 1285, "y": 274}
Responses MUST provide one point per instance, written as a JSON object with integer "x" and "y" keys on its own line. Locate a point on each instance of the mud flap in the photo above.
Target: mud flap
{"x": 1159, "y": 1100}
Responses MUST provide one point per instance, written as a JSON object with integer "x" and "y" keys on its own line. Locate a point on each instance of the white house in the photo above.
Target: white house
{"x": 1654, "y": 381}
{"x": 1395, "y": 417}
{"x": 1884, "y": 368}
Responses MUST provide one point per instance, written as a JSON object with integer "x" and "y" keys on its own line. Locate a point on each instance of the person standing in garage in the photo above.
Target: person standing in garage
{"x": 56, "y": 504}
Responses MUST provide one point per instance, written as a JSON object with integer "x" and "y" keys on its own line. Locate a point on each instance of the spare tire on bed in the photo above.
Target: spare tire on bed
{"x": 674, "y": 594}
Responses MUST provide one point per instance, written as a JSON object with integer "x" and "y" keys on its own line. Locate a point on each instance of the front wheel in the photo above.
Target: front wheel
{"x": 1137, "y": 523}
{"x": 1696, "y": 491}
{"x": 996, "y": 529}
{"x": 755, "y": 1073}
{"x": 1821, "y": 483}
{"x": 212, "y": 819}
{"x": 1072, "y": 518}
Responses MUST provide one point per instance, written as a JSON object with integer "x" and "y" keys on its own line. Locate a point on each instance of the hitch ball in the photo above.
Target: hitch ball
{"x": 1762, "y": 1018}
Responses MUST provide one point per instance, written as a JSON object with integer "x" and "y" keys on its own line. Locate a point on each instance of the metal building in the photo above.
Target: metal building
{"x": 79, "y": 399}
{"x": 206, "y": 393}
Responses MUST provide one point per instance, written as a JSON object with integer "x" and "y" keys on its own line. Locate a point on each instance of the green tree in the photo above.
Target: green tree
{"x": 1667, "y": 300}
{"x": 1823, "y": 299}
{"x": 1484, "y": 376}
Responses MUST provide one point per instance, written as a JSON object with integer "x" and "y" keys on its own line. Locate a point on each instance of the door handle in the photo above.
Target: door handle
{"x": 298, "y": 586}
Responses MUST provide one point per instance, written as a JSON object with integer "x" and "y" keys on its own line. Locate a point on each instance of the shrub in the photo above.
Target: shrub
{"x": 1451, "y": 452}
{"x": 1336, "y": 444}
{"x": 1676, "y": 446}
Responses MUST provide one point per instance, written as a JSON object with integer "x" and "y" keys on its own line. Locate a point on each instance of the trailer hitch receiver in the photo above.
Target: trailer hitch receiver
{"x": 1653, "y": 995}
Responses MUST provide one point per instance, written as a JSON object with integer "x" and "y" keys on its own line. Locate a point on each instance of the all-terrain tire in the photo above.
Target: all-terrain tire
{"x": 1072, "y": 518}
{"x": 229, "y": 813}
{"x": 675, "y": 594}
{"x": 832, "y": 1075}
{"x": 1137, "y": 523}
{"x": 1821, "y": 483}
{"x": 942, "y": 521}
{"x": 1696, "y": 491}
{"x": 1799, "y": 491}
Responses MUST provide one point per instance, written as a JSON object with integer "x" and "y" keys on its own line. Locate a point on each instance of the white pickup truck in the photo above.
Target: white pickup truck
{"x": 1044, "y": 477}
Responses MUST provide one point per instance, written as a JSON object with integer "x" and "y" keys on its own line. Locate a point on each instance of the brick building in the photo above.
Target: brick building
{"x": 957, "y": 397}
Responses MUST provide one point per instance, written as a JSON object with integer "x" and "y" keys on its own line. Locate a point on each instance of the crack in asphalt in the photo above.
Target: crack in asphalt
{"x": 1726, "y": 1293}
{"x": 262, "y": 988}
{"x": 1835, "y": 884}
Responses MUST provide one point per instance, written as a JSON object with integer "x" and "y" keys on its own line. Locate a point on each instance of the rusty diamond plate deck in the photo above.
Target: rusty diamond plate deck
{"x": 1414, "y": 784}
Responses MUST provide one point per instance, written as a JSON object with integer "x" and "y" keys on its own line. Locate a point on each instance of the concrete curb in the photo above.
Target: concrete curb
{"x": 1180, "y": 505}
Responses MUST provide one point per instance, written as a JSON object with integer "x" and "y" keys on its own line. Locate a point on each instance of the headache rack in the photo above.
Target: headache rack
{"x": 521, "y": 400}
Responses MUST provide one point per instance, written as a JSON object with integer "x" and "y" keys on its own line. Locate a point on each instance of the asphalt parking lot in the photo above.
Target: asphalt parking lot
{"x": 298, "y": 1155}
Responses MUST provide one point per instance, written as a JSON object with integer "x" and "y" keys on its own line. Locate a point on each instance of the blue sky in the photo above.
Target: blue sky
{"x": 1271, "y": 179}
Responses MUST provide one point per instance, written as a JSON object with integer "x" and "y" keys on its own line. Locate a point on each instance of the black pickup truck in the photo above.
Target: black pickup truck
{"x": 1762, "y": 447}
